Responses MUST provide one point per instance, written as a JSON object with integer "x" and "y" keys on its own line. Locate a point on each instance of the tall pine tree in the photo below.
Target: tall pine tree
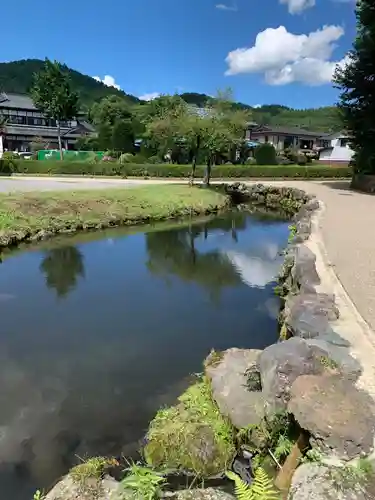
{"x": 357, "y": 83}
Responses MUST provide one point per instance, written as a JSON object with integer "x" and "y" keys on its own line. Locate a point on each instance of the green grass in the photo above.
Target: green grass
{"x": 29, "y": 216}
{"x": 192, "y": 435}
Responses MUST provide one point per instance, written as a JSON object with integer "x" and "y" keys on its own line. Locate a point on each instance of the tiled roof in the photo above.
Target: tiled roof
{"x": 287, "y": 131}
{"x": 16, "y": 101}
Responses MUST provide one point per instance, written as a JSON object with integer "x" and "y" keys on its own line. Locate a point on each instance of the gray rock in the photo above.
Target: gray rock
{"x": 304, "y": 271}
{"x": 280, "y": 364}
{"x": 340, "y": 356}
{"x": 339, "y": 417}
{"x": 319, "y": 304}
{"x": 199, "y": 494}
{"x": 229, "y": 386}
{"x": 105, "y": 489}
{"x": 307, "y": 325}
{"x": 332, "y": 337}
{"x": 319, "y": 482}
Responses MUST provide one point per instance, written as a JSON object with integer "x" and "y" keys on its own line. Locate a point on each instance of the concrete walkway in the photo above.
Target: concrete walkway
{"x": 347, "y": 226}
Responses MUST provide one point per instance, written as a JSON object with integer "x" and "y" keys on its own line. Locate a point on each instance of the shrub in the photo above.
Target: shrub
{"x": 251, "y": 161}
{"x": 265, "y": 154}
{"x": 314, "y": 171}
{"x": 126, "y": 158}
{"x": 301, "y": 159}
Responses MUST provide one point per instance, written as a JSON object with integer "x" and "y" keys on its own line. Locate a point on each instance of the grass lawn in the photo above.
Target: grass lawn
{"x": 37, "y": 215}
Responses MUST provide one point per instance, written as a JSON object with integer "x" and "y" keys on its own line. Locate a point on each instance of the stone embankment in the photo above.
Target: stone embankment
{"x": 297, "y": 409}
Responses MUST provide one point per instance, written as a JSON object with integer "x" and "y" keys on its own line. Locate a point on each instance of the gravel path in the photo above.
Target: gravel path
{"x": 347, "y": 226}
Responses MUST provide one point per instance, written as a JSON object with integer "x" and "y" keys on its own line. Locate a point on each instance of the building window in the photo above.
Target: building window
{"x": 266, "y": 138}
{"x": 344, "y": 142}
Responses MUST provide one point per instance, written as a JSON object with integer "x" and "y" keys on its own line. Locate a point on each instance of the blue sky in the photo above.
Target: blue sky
{"x": 289, "y": 47}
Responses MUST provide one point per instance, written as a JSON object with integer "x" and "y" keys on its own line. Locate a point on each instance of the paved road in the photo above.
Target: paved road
{"x": 348, "y": 227}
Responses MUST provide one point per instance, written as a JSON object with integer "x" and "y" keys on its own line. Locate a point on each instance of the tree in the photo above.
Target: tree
{"x": 38, "y": 144}
{"x": 123, "y": 136}
{"x": 357, "y": 83}
{"x": 110, "y": 110}
{"x": 53, "y": 95}
{"x": 61, "y": 267}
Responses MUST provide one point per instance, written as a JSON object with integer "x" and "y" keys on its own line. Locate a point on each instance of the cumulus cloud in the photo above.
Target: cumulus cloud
{"x": 150, "y": 96}
{"x": 223, "y": 6}
{"x": 298, "y": 6}
{"x": 284, "y": 57}
{"x": 107, "y": 80}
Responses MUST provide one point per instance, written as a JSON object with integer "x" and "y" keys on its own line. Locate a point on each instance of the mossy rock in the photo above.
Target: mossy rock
{"x": 191, "y": 436}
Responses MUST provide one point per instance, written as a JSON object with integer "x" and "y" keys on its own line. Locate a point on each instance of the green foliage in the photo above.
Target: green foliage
{"x": 52, "y": 92}
{"x": 328, "y": 363}
{"x": 122, "y": 138}
{"x": 166, "y": 170}
{"x": 357, "y": 98}
{"x": 193, "y": 435}
{"x": 38, "y": 495}
{"x": 262, "y": 487}
{"x": 253, "y": 379}
{"x": 302, "y": 160}
{"x": 145, "y": 483}
{"x": 38, "y": 144}
{"x": 265, "y": 154}
{"x": 312, "y": 456}
{"x": 292, "y": 232}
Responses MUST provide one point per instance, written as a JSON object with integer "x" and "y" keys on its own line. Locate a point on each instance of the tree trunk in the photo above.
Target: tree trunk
{"x": 59, "y": 139}
{"x": 284, "y": 477}
{"x": 194, "y": 164}
{"x": 208, "y": 171}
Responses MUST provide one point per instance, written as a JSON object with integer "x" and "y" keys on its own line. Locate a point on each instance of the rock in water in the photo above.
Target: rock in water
{"x": 230, "y": 389}
{"x": 339, "y": 416}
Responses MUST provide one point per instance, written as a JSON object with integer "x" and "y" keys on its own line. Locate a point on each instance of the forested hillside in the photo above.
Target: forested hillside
{"x": 17, "y": 77}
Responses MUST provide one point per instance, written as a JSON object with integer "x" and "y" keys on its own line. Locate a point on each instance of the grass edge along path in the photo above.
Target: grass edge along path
{"x": 33, "y": 216}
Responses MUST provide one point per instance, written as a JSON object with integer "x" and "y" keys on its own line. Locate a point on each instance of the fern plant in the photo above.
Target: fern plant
{"x": 143, "y": 482}
{"x": 261, "y": 489}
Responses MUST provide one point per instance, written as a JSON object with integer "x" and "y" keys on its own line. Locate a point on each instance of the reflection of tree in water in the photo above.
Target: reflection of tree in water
{"x": 174, "y": 252}
{"x": 62, "y": 267}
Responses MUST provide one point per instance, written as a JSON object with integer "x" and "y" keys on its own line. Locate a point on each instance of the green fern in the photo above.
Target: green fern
{"x": 261, "y": 489}
{"x": 242, "y": 490}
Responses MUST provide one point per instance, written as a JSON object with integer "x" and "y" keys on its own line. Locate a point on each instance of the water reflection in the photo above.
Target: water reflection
{"x": 62, "y": 267}
{"x": 84, "y": 375}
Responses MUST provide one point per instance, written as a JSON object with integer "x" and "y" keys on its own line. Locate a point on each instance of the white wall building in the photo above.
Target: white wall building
{"x": 339, "y": 150}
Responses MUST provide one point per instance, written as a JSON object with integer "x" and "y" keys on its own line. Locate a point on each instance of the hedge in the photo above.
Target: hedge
{"x": 166, "y": 170}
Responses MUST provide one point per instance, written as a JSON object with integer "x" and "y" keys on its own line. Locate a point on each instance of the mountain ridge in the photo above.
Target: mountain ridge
{"x": 16, "y": 76}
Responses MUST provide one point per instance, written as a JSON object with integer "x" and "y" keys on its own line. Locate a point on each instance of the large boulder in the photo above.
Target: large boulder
{"x": 336, "y": 358}
{"x": 319, "y": 304}
{"x": 199, "y": 494}
{"x": 91, "y": 488}
{"x": 279, "y": 366}
{"x": 304, "y": 270}
{"x": 319, "y": 482}
{"x": 339, "y": 417}
{"x": 230, "y": 385}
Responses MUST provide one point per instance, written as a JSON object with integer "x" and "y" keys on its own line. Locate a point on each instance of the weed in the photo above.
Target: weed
{"x": 292, "y": 232}
{"x": 38, "y": 495}
{"x": 145, "y": 483}
{"x": 312, "y": 456}
{"x": 328, "y": 363}
{"x": 278, "y": 290}
{"x": 214, "y": 358}
{"x": 284, "y": 333}
{"x": 253, "y": 379}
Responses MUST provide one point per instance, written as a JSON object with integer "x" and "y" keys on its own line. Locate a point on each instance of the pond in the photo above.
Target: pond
{"x": 100, "y": 330}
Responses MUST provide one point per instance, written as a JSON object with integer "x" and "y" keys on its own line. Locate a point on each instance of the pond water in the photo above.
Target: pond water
{"x": 99, "y": 331}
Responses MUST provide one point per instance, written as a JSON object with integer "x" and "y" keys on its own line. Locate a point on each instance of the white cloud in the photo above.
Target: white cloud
{"x": 107, "y": 80}
{"x": 284, "y": 57}
{"x": 257, "y": 105}
{"x": 298, "y": 6}
{"x": 223, "y": 6}
{"x": 150, "y": 96}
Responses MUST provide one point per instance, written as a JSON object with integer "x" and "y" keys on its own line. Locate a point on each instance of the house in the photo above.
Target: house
{"x": 24, "y": 122}
{"x": 336, "y": 149}
{"x": 284, "y": 137}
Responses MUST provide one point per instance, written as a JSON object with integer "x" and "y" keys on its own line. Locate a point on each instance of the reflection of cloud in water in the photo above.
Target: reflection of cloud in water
{"x": 6, "y": 296}
{"x": 256, "y": 271}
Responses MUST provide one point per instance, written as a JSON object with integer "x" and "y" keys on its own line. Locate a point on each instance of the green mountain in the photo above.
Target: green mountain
{"x": 17, "y": 77}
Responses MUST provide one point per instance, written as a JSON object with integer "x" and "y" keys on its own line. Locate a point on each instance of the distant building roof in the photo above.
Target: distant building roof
{"x": 16, "y": 101}
{"x": 296, "y": 131}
